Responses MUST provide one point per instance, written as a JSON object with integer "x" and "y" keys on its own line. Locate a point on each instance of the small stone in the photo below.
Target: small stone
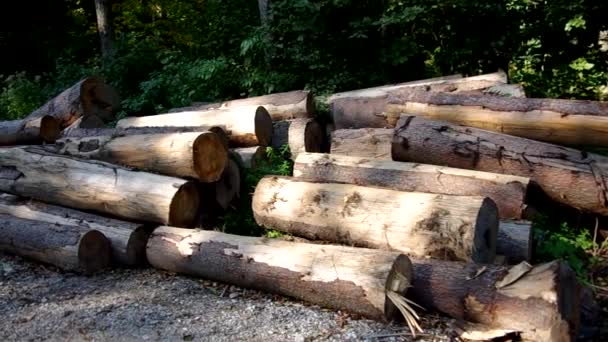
{"x": 233, "y": 295}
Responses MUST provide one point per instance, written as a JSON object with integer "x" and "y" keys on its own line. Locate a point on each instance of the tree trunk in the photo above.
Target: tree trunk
{"x": 248, "y": 126}
{"x": 566, "y": 175}
{"x": 442, "y": 226}
{"x": 90, "y": 96}
{"x": 103, "y": 11}
{"x": 197, "y": 155}
{"x": 249, "y": 157}
{"x": 345, "y": 278}
{"x": 98, "y": 186}
{"x": 515, "y": 241}
{"x": 72, "y": 248}
{"x": 373, "y": 143}
{"x": 509, "y": 192}
{"x": 298, "y": 104}
{"x": 566, "y": 122}
{"x": 364, "y": 108}
{"x": 29, "y": 131}
{"x": 542, "y": 304}
{"x": 83, "y": 123}
{"x": 301, "y": 135}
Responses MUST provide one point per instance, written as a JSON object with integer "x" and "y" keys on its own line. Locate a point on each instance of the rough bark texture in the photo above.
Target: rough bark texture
{"x": 98, "y": 186}
{"x": 281, "y": 106}
{"x": 569, "y": 122}
{"x": 29, "y": 131}
{"x": 197, "y": 155}
{"x": 566, "y": 175}
{"x": 515, "y": 240}
{"x": 90, "y": 96}
{"x": 509, "y": 192}
{"x": 345, "y": 278}
{"x": 441, "y": 226}
{"x": 301, "y": 135}
{"x": 364, "y": 108}
{"x": 373, "y": 143}
{"x": 249, "y": 157}
{"x": 248, "y": 126}
{"x": 72, "y": 248}
{"x": 127, "y": 239}
{"x": 543, "y": 304}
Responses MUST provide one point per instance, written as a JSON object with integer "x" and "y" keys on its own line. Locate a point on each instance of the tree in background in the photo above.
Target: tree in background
{"x": 103, "y": 11}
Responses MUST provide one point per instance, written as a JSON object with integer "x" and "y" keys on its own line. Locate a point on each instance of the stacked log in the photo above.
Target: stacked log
{"x": 281, "y": 106}
{"x": 127, "y": 239}
{"x": 514, "y": 241}
{"x": 566, "y": 175}
{"x": 248, "y": 126}
{"x": 29, "y": 131}
{"x": 98, "y": 186}
{"x": 419, "y": 224}
{"x": 88, "y": 97}
{"x": 353, "y": 279}
{"x": 566, "y": 122}
{"x": 373, "y": 143}
{"x": 249, "y": 157}
{"x": 508, "y": 192}
{"x": 301, "y": 135}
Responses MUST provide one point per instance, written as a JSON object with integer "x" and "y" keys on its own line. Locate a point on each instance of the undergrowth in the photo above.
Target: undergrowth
{"x": 239, "y": 218}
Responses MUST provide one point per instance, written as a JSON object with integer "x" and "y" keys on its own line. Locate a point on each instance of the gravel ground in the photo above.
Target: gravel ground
{"x": 41, "y": 303}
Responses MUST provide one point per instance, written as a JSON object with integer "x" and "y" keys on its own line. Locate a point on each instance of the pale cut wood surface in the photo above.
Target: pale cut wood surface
{"x": 362, "y": 142}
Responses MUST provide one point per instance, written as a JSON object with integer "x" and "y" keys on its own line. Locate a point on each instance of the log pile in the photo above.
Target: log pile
{"x": 417, "y": 198}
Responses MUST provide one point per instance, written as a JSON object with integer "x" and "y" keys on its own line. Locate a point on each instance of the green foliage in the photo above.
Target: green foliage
{"x": 576, "y": 246}
{"x": 239, "y": 219}
{"x": 19, "y": 95}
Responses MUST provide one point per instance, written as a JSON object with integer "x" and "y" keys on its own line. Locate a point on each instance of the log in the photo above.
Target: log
{"x": 98, "y": 186}
{"x": 419, "y": 224}
{"x": 373, "y": 143}
{"x": 228, "y": 187}
{"x": 301, "y": 135}
{"x": 248, "y": 126}
{"x": 127, "y": 239}
{"x": 352, "y": 279}
{"x": 508, "y": 192}
{"x": 542, "y": 302}
{"x": 88, "y": 97}
{"x": 515, "y": 240}
{"x": 566, "y": 122}
{"x": 249, "y": 157}
{"x": 83, "y": 123}
{"x": 364, "y": 108}
{"x": 553, "y": 168}
{"x": 29, "y": 131}
{"x": 71, "y": 248}
{"x": 281, "y": 106}
{"x": 200, "y": 155}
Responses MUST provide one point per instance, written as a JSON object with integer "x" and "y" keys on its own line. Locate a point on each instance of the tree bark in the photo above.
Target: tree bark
{"x": 373, "y": 143}
{"x": 29, "y": 131}
{"x": 90, "y": 96}
{"x": 301, "y": 135}
{"x": 103, "y": 11}
{"x": 566, "y": 122}
{"x": 345, "y": 278}
{"x": 419, "y": 224}
{"x": 515, "y": 241}
{"x": 554, "y": 168}
{"x": 542, "y": 304}
{"x": 248, "y": 126}
{"x": 508, "y": 192}
{"x": 98, "y": 186}
{"x": 72, "y": 248}
{"x": 197, "y": 155}
{"x": 298, "y": 104}
{"x": 127, "y": 240}
{"x": 364, "y": 108}
{"x": 249, "y": 157}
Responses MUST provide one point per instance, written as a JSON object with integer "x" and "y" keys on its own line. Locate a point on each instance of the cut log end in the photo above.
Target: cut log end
{"x": 184, "y": 206}
{"x": 310, "y": 104}
{"x": 229, "y": 185}
{"x": 136, "y": 246}
{"x": 50, "y": 129}
{"x": 99, "y": 99}
{"x": 221, "y": 133}
{"x": 399, "y": 279}
{"x": 263, "y": 126}
{"x": 209, "y": 157}
{"x": 484, "y": 248}
{"x": 94, "y": 252}
{"x": 314, "y": 137}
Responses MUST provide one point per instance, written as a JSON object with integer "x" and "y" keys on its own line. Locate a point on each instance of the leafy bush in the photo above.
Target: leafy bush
{"x": 19, "y": 96}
